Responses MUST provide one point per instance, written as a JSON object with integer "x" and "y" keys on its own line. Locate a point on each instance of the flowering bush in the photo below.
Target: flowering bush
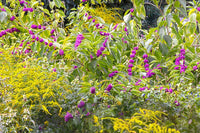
{"x": 52, "y": 82}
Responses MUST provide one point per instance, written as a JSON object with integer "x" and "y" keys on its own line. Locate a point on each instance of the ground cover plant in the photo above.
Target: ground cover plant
{"x": 99, "y": 75}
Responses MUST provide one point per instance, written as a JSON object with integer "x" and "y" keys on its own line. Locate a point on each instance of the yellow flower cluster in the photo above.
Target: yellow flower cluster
{"x": 143, "y": 122}
{"x": 24, "y": 86}
{"x": 108, "y": 15}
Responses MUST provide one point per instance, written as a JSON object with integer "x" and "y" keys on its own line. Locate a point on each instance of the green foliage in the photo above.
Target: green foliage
{"x": 39, "y": 83}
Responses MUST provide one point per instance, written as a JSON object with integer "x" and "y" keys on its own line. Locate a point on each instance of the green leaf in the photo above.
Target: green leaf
{"x": 183, "y": 3}
{"x": 52, "y": 4}
{"x": 163, "y": 48}
{"x": 93, "y": 2}
{"x": 49, "y": 55}
{"x": 168, "y": 40}
{"x": 58, "y": 3}
{"x": 3, "y": 16}
{"x": 42, "y": 50}
{"x": 169, "y": 19}
{"x": 127, "y": 18}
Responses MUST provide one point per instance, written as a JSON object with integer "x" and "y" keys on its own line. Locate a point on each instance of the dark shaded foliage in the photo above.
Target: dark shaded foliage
{"x": 152, "y": 12}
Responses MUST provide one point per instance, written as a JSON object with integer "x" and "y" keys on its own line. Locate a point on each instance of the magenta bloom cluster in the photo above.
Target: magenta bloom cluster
{"x": 143, "y": 88}
{"x": 61, "y": 52}
{"x": 102, "y": 48}
{"x": 126, "y": 30}
{"x": 68, "y": 116}
{"x": 115, "y": 27}
{"x": 149, "y": 72}
{"x": 79, "y": 39}
{"x": 104, "y": 33}
{"x": 113, "y": 74}
{"x": 28, "y": 9}
{"x": 177, "y": 103}
{"x": 12, "y": 18}
{"x": 81, "y": 104}
{"x": 4, "y": 32}
{"x": 131, "y": 61}
{"x": 33, "y": 26}
{"x": 22, "y": 2}
{"x": 198, "y": 9}
{"x": 92, "y": 90}
{"x": 109, "y": 87}
{"x": 99, "y": 27}
{"x": 196, "y": 67}
{"x": 2, "y": 9}
{"x": 138, "y": 82}
{"x": 180, "y": 62}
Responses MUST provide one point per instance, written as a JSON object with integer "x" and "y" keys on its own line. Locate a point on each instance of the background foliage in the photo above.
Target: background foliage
{"x": 99, "y": 73}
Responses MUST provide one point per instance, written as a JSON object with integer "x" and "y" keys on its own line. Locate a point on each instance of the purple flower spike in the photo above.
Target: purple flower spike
{"x": 81, "y": 104}
{"x": 89, "y": 17}
{"x": 43, "y": 27}
{"x": 93, "y": 20}
{"x": 37, "y": 38}
{"x": 46, "y": 43}
{"x": 31, "y": 32}
{"x": 176, "y": 68}
{"x": 108, "y": 106}
{"x": 133, "y": 51}
{"x": 30, "y": 9}
{"x": 33, "y": 37}
{"x": 98, "y": 53}
{"x": 75, "y": 67}
{"x": 92, "y": 90}
{"x": 34, "y": 26}
{"x": 131, "y": 61}
{"x": 130, "y": 73}
{"x": 12, "y": 18}
{"x": 88, "y": 113}
{"x": 25, "y": 9}
{"x": 198, "y": 9}
{"x": 195, "y": 68}
{"x": 22, "y": 2}
{"x": 91, "y": 57}
{"x": 125, "y": 29}
{"x": 109, "y": 87}
{"x": 135, "y": 48}
{"x": 115, "y": 27}
{"x": 61, "y": 52}
{"x": 102, "y": 48}
{"x": 111, "y": 75}
{"x": 97, "y": 26}
{"x": 130, "y": 65}
{"x": 54, "y": 69}
{"x": 50, "y": 44}
{"x": 132, "y": 55}
{"x": 79, "y": 39}
{"x": 68, "y": 116}
{"x": 146, "y": 61}
{"x": 145, "y": 56}
{"x": 146, "y": 65}
{"x": 52, "y": 31}
{"x": 41, "y": 40}
{"x": 129, "y": 70}
{"x": 39, "y": 27}
{"x": 170, "y": 90}
{"x": 131, "y": 10}
{"x": 115, "y": 72}
{"x": 177, "y": 103}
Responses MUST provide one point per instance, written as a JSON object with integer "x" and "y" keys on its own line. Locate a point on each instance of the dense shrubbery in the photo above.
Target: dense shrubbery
{"x": 102, "y": 77}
